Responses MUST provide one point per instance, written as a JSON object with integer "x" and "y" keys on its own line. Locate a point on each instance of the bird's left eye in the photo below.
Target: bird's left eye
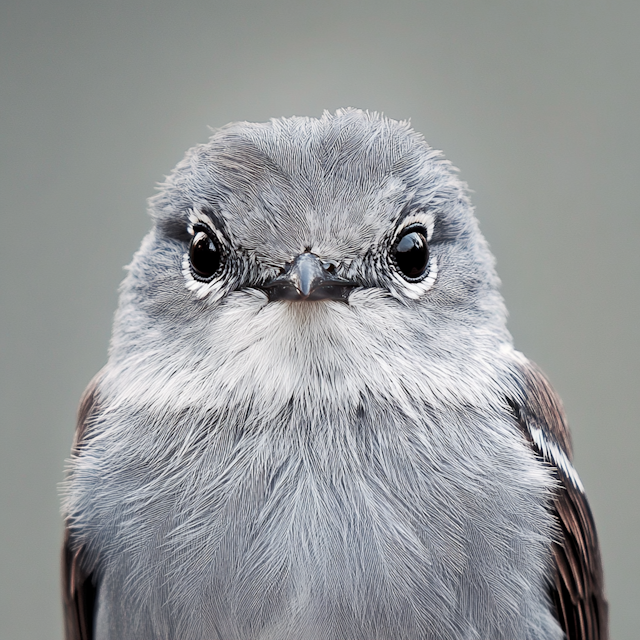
{"x": 204, "y": 256}
{"x": 410, "y": 253}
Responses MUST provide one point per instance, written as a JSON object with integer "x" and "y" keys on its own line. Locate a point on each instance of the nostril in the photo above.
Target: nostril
{"x": 329, "y": 266}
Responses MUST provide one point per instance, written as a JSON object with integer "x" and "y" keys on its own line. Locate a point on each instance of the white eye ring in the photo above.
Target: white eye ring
{"x": 209, "y": 287}
{"x": 205, "y": 254}
{"x": 416, "y": 290}
{"x": 410, "y": 288}
{"x": 410, "y": 253}
{"x": 425, "y": 219}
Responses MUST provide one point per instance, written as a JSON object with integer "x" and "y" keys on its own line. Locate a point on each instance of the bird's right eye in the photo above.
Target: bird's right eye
{"x": 204, "y": 256}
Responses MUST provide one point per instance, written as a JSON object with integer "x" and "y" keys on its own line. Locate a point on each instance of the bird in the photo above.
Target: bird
{"x": 313, "y": 423}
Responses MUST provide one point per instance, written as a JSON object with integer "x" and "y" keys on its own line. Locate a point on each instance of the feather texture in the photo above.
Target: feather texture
{"x": 256, "y": 469}
{"x": 578, "y": 588}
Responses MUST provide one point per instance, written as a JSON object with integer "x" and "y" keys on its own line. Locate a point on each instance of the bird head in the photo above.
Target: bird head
{"x": 340, "y": 254}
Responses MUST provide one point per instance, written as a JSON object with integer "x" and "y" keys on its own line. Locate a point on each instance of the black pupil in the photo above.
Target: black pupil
{"x": 204, "y": 255}
{"x": 412, "y": 254}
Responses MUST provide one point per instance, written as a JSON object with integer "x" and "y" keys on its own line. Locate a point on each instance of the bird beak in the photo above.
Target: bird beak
{"x": 307, "y": 278}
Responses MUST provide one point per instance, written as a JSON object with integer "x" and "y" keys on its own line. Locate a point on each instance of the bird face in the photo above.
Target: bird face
{"x": 301, "y": 253}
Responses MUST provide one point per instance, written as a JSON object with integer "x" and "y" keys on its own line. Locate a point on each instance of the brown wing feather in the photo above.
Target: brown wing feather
{"x": 79, "y": 595}
{"x": 578, "y": 588}
{"x": 78, "y": 588}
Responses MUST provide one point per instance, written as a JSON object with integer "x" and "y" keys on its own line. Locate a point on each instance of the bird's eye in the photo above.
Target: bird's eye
{"x": 410, "y": 253}
{"x": 204, "y": 255}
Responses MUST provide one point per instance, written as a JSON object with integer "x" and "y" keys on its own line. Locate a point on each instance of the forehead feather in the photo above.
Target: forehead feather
{"x": 343, "y": 174}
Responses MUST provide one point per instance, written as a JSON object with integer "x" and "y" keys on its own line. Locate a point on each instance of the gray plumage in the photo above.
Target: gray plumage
{"x": 249, "y": 468}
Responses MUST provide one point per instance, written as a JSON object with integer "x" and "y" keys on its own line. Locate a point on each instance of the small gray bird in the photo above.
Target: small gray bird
{"x": 313, "y": 424}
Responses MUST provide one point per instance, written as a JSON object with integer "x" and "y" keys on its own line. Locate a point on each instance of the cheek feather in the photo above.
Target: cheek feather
{"x": 253, "y": 352}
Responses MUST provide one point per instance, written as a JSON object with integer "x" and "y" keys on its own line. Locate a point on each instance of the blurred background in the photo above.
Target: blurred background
{"x": 537, "y": 103}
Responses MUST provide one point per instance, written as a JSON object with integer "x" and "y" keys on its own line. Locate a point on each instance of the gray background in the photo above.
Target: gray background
{"x": 537, "y": 102}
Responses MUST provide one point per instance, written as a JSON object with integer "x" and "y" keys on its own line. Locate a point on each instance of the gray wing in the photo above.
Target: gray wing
{"x": 577, "y": 591}
{"x": 78, "y": 588}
